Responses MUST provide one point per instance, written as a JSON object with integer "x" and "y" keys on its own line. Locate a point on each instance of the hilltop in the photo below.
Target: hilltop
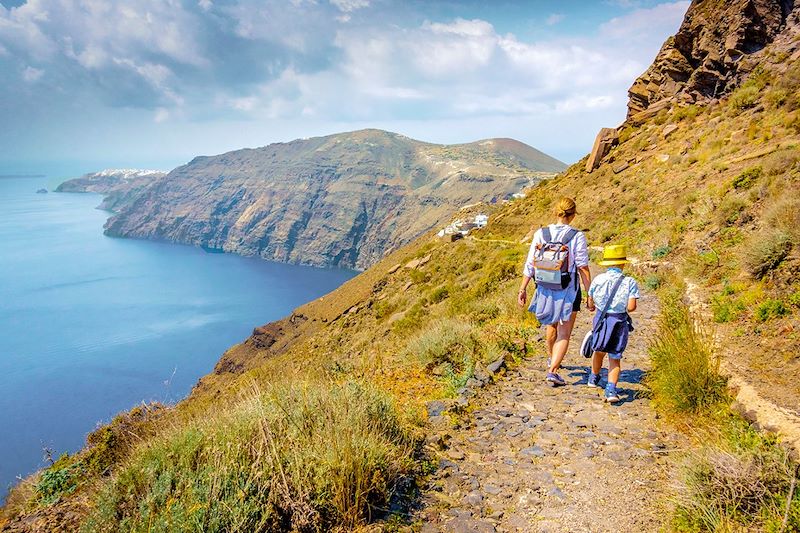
{"x": 319, "y": 420}
{"x": 342, "y": 200}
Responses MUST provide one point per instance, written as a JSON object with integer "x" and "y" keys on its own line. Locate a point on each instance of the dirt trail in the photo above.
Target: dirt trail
{"x": 528, "y": 457}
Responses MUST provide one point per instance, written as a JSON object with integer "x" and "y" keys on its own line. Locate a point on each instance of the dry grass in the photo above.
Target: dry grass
{"x": 305, "y": 457}
{"x": 765, "y": 251}
{"x": 685, "y": 378}
{"x": 737, "y": 480}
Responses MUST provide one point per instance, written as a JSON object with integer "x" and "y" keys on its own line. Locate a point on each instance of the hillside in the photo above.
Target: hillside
{"x": 343, "y": 200}
{"x": 119, "y": 186}
{"x": 702, "y": 189}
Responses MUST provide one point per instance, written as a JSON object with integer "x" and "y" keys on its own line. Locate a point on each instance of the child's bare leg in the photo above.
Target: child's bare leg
{"x": 613, "y": 370}
{"x": 597, "y": 362}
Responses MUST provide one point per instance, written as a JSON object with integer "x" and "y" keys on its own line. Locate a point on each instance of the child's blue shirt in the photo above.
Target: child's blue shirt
{"x": 601, "y": 288}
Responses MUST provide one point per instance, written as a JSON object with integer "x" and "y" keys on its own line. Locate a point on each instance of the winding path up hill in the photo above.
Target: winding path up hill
{"x": 528, "y": 457}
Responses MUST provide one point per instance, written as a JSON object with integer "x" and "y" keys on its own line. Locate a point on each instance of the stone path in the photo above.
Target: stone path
{"x": 528, "y": 457}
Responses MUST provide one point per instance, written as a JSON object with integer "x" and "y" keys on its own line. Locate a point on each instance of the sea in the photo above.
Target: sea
{"x": 92, "y": 325}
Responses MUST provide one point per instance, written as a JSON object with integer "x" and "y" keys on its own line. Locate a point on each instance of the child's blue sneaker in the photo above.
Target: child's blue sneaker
{"x": 594, "y": 380}
{"x": 611, "y": 393}
{"x": 555, "y": 380}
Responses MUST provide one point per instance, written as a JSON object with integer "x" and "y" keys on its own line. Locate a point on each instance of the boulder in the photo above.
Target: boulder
{"x": 620, "y": 167}
{"x": 668, "y": 130}
{"x": 495, "y": 366}
{"x": 606, "y": 138}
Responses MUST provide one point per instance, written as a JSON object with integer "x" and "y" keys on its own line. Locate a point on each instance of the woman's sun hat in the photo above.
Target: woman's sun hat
{"x": 614, "y": 254}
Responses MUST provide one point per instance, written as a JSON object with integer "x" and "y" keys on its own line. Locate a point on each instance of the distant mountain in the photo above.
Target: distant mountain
{"x": 119, "y": 185}
{"x": 342, "y": 200}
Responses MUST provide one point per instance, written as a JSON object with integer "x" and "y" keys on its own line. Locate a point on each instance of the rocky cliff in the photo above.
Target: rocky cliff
{"x": 711, "y": 52}
{"x": 342, "y": 200}
{"x": 119, "y": 186}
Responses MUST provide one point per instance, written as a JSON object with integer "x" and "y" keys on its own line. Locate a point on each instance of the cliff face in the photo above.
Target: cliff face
{"x": 119, "y": 186}
{"x": 343, "y": 200}
{"x": 711, "y": 52}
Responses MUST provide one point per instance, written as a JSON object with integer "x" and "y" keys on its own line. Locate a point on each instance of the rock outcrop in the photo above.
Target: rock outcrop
{"x": 606, "y": 138}
{"x": 709, "y": 54}
{"x": 342, "y": 200}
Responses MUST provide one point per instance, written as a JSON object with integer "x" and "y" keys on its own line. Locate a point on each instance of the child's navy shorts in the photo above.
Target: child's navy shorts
{"x": 611, "y": 336}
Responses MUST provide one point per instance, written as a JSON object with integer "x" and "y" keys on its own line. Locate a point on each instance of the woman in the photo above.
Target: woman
{"x": 557, "y": 308}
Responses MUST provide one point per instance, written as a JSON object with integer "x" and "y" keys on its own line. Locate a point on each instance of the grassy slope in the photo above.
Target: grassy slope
{"x": 373, "y": 351}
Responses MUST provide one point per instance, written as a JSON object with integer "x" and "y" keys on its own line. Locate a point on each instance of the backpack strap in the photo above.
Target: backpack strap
{"x": 610, "y": 299}
{"x": 569, "y": 235}
{"x": 546, "y": 236}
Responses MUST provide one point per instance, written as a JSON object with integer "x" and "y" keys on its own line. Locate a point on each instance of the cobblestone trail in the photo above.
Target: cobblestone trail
{"x": 528, "y": 457}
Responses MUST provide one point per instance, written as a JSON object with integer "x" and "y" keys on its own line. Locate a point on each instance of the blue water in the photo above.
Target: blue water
{"x": 91, "y": 325}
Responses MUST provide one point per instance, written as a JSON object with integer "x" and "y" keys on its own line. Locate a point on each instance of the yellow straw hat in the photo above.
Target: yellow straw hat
{"x": 614, "y": 254}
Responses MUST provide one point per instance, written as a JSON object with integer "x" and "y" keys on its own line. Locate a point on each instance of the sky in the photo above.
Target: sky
{"x": 90, "y": 84}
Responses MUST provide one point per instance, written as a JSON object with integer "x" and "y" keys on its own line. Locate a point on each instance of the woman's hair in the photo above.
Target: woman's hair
{"x": 565, "y": 207}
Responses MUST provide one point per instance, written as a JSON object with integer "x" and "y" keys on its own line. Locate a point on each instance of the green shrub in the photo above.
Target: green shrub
{"x": 746, "y": 179}
{"x": 411, "y": 319}
{"x": 56, "y": 482}
{"x": 730, "y": 210}
{"x": 304, "y": 457}
{"x": 661, "y": 118}
{"x": 661, "y": 252}
{"x": 688, "y": 112}
{"x": 770, "y": 309}
{"x": 794, "y": 298}
{"x": 419, "y": 276}
{"x": 653, "y": 281}
{"x": 726, "y": 309}
{"x": 765, "y": 250}
{"x": 439, "y": 293}
{"x": 745, "y": 97}
{"x": 776, "y": 97}
{"x": 685, "y": 378}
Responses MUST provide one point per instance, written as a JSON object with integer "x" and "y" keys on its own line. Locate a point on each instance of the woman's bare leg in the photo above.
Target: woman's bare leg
{"x": 550, "y": 334}
{"x": 564, "y": 331}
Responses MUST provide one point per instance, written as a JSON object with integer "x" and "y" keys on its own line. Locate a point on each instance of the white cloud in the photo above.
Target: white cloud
{"x": 625, "y": 4}
{"x": 267, "y": 60}
{"x": 161, "y": 115}
{"x": 31, "y": 74}
{"x": 662, "y": 19}
{"x": 247, "y": 103}
{"x": 347, "y": 6}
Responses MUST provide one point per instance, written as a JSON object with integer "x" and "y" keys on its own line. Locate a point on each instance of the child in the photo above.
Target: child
{"x": 611, "y": 328}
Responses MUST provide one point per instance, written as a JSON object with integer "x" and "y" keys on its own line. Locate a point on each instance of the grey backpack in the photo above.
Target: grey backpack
{"x": 551, "y": 260}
